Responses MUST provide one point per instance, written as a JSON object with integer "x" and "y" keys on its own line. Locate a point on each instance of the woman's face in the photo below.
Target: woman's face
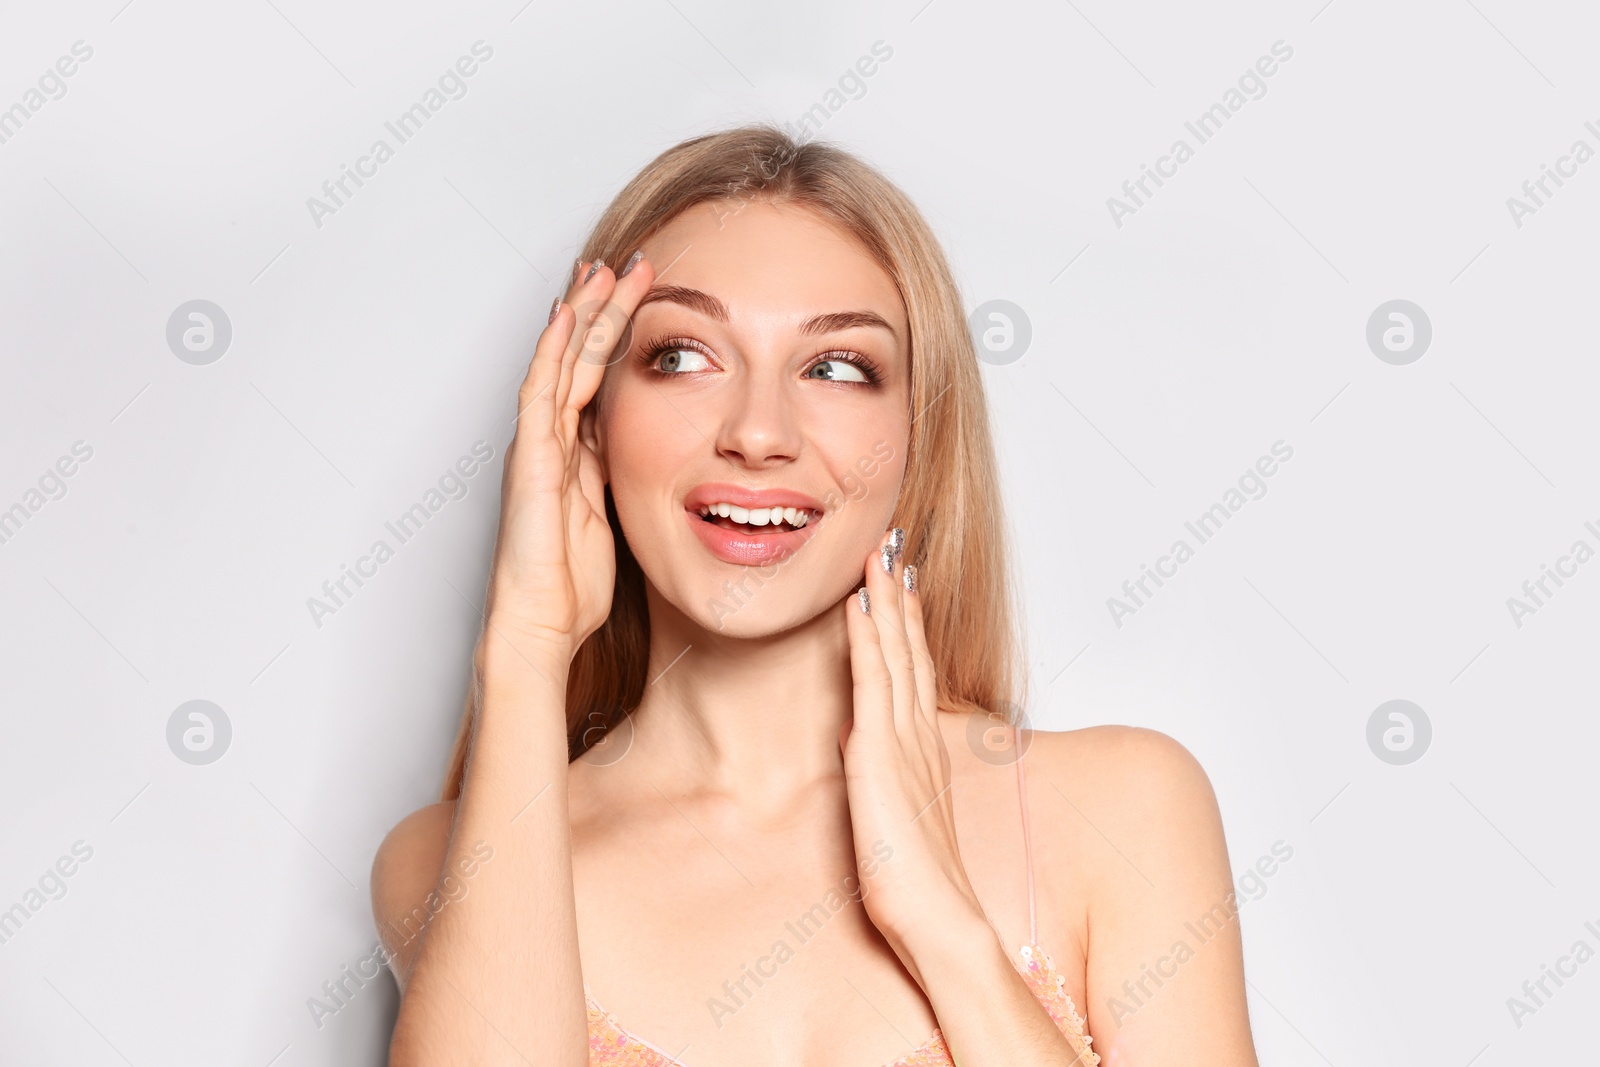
{"x": 768, "y": 367}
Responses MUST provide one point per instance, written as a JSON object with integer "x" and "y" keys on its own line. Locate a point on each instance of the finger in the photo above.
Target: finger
{"x": 872, "y": 693}
{"x": 544, "y": 371}
{"x": 917, "y": 634}
{"x": 589, "y": 297}
{"x": 883, "y": 582}
{"x": 537, "y": 394}
{"x": 609, "y": 334}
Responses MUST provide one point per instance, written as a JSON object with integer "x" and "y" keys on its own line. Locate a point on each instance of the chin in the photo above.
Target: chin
{"x": 751, "y": 602}
{"x": 747, "y": 602}
{"x": 759, "y": 617}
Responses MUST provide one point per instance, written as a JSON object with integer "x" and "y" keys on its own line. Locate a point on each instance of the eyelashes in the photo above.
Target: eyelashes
{"x": 651, "y": 352}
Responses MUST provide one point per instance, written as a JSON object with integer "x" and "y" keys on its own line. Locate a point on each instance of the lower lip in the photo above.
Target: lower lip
{"x": 749, "y": 549}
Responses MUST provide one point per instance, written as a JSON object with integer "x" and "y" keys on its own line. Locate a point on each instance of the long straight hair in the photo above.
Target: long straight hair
{"x": 949, "y": 503}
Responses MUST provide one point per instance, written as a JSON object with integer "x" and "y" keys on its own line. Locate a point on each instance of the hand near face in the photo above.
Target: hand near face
{"x": 897, "y": 771}
{"x": 554, "y": 559}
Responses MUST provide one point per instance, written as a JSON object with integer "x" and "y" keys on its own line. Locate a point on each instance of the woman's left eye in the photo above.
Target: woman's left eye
{"x": 836, "y": 370}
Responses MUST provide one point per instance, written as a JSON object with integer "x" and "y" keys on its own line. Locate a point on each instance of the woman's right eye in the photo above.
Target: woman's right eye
{"x": 681, "y": 361}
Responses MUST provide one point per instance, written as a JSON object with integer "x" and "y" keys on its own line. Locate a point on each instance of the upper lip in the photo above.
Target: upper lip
{"x": 723, "y": 493}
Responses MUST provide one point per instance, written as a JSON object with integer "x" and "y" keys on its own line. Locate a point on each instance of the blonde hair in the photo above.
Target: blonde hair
{"x": 950, "y": 499}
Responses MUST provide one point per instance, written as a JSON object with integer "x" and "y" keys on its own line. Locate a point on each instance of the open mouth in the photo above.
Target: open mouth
{"x": 755, "y": 521}
{"x": 751, "y": 536}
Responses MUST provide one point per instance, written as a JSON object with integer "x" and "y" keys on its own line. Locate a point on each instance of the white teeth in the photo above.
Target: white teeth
{"x": 795, "y": 517}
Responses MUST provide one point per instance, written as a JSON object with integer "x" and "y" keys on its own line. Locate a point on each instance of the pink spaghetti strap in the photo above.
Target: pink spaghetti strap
{"x": 1027, "y": 843}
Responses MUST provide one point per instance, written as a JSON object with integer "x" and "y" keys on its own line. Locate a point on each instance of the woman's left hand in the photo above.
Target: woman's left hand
{"x": 897, "y": 772}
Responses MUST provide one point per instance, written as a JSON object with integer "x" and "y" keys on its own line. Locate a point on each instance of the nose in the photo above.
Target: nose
{"x": 761, "y": 427}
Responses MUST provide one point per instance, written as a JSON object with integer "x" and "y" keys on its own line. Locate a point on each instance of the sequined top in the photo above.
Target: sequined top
{"x": 611, "y": 1045}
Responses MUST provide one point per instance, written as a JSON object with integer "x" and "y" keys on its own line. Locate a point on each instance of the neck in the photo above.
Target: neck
{"x": 757, "y": 718}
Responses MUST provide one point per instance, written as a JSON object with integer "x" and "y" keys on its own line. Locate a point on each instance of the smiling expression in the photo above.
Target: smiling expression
{"x": 767, "y": 368}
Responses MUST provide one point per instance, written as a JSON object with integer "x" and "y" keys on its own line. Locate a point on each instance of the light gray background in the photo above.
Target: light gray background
{"x": 1167, "y": 354}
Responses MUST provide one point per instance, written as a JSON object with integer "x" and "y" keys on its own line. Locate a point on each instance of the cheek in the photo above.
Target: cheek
{"x": 866, "y": 451}
{"x": 634, "y": 430}
{"x": 645, "y": 445}
{"x": 869, "y": 468}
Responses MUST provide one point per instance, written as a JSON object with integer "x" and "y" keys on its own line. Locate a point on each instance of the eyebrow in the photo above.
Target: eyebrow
{"x": 711, "y": 307}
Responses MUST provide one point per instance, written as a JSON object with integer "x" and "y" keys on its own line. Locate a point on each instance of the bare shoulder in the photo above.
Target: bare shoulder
{"x": 1135, "y": 802}
{"x": 1123, "y": 774}
{"x": 1124, "y": 767}
{"x": 405, "y": 880}
{"x": 1136, "y": 836}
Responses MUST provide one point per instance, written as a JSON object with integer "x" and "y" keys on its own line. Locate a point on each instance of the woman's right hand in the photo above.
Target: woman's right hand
{"x": 554, "y": 559}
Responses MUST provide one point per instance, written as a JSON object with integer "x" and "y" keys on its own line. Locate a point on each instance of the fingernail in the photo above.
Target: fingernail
{"x": 897, "y": 540}
{"x": 909, "y": 576}
{"x": 633, "y": 261}
{"x": 865, "y": 601}
{"x": 555, "y": 309}
{"x": 596, "y": 265}
{"x": 577, "y": 265}
{"x": 886, "y": 556}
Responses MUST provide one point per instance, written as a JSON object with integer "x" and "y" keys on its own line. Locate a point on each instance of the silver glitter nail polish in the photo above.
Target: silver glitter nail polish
{"x": 887, "y": 556}
{"x": 593, "y": 267}
{"x": 909, "y": 576}
{"x": 897, "y": 540}
{"x": 554, "y": 309}
{"x": 865, "y": 601}
{"x": 633, "y": 261}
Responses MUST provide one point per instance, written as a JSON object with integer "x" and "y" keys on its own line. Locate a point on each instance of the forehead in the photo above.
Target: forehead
{"x": 771, "y": 265}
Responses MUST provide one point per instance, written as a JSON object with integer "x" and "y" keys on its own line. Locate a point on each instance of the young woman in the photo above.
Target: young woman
{"x": 739, "y": 763}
